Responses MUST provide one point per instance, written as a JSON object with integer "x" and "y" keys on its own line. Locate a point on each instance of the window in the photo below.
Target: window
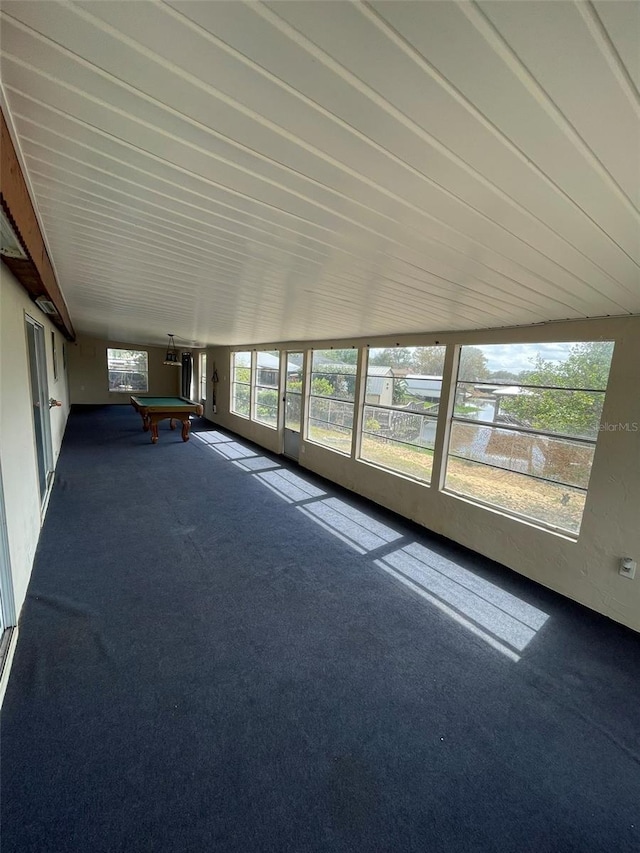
{"x": 241, "y": 383}
{"x": 267, "y": 378}
{"x": 401, "y": 408}
{"x": 333, "y": 383}
{"x": 128, "y": 370}
{"x": 525, "y": 423}
{"x": 202, "y": 368}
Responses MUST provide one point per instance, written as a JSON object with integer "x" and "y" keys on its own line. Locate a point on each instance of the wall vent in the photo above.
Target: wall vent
{"x": 46, "y": 305}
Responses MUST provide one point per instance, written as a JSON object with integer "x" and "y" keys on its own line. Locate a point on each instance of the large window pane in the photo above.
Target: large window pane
{"x": 539, "y": 500}
{"x": 334, "y": 373}
{"x": 565, "y": 412}
{"x": 531, "y": 402}
{"x": 540, "y": 456}
{"x": 128, "y": 370}
{"x": 267, "y": 378}
{"x": 331, "y": 412}
{"x": 333, "y": 383}
{"x": 241, "y": 383}
{"x": 332, "y": 436}
{"x": 407, "y": 427}
{"x": 398, "y": 457}
{"x": 401, "y": 405}
{"x": 266, "y": 406}
{"x": 562, "y": 365}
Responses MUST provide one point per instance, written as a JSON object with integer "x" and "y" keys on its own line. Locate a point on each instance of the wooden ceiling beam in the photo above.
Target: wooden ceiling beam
{"x": 35, "y": 273}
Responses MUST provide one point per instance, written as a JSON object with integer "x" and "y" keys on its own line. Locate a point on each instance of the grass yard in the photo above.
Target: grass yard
{"x": 413, "y": 461}
{"x": 538, "y": 500}
{"x": 553, "y": 504}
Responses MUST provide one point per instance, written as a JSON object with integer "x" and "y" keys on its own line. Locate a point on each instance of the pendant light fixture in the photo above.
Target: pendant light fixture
{"x": 171, "y": 356}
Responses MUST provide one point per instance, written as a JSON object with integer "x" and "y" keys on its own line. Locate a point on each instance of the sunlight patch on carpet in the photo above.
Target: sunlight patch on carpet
{"x": 356, "y": 528}
{"x": 289, "y": 486}
{"x": 504, "y": 621}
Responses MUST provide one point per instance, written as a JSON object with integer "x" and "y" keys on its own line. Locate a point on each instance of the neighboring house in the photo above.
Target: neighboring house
{"x": 487, "y": 399}
{"x": 422, "y": 393}
{"x": 426, "y": 389}
{"x": 379, "y": 386}
{"x": 268, "y": 367}
{"x": 421, "y": 388}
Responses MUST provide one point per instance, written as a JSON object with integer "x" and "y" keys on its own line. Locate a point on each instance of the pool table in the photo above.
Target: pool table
{"x": 156, "y": 409}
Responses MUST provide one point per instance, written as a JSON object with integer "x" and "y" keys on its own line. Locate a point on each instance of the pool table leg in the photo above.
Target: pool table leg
{"x": 154, "y": 432}
{"x": 186, "y": 426}
{"x": 172, "y": 423}
{"x": 145, "y": 423}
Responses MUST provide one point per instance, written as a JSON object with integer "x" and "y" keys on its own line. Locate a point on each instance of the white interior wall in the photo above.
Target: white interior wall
{"x": 584, "y": 569}
{"x": 17, "y": 441}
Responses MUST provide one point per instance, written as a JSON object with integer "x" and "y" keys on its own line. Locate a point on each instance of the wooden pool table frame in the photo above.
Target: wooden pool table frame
{"x": 153, "y": 413}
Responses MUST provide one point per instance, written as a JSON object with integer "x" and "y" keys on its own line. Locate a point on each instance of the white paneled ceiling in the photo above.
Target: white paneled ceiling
{"x": 248, "y": 172}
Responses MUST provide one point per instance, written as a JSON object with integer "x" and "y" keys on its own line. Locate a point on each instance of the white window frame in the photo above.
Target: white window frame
{"x": 311, "y": 396}
{"x": 235, "y": 383}
{"x": 521, "y": 430}
{"x": 433, "y": 418}
{"x": 257, "y": 387}
{"x": 202, "y": 376}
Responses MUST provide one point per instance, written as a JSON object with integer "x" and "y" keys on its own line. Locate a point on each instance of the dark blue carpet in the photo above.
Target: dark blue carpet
{"x": 202, "y": 667}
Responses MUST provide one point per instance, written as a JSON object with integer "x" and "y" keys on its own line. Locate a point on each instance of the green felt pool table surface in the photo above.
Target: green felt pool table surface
{"x": 166, "y": 402}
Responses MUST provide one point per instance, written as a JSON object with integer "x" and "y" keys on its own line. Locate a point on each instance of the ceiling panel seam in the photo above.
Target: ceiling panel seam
{"x": 387, "y": 237}
{"x": 254, "y": 116}
{"x": 496, "y": 40}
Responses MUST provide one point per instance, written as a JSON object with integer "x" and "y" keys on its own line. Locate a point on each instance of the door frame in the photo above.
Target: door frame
{"x": 284, "y": 360}
{"x": 43, "y": 401}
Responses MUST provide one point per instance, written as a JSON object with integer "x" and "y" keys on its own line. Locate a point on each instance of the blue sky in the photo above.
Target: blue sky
{"x": 516, "y": 357}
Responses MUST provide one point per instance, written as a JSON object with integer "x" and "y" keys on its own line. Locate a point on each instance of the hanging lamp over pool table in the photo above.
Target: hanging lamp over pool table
{"x": 171, "y": 356}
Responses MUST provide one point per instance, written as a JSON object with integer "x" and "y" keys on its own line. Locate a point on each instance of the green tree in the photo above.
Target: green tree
{"x": 267, "y": 404}
{"x": 391, "y": 357}
{"x": 293, "y": 402}
{"x": 588, "y": 365}
{"x": 428, "y": 360}
{"x": 504, "y": 376}
{"x": 342, "y": 356}
{"x": 321, "y": 387}
{"x": 400, "y": 392}
{"x": 574, "y": 411}
{"x": 473, "y": 365}
{"x": 241, "y": 397}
